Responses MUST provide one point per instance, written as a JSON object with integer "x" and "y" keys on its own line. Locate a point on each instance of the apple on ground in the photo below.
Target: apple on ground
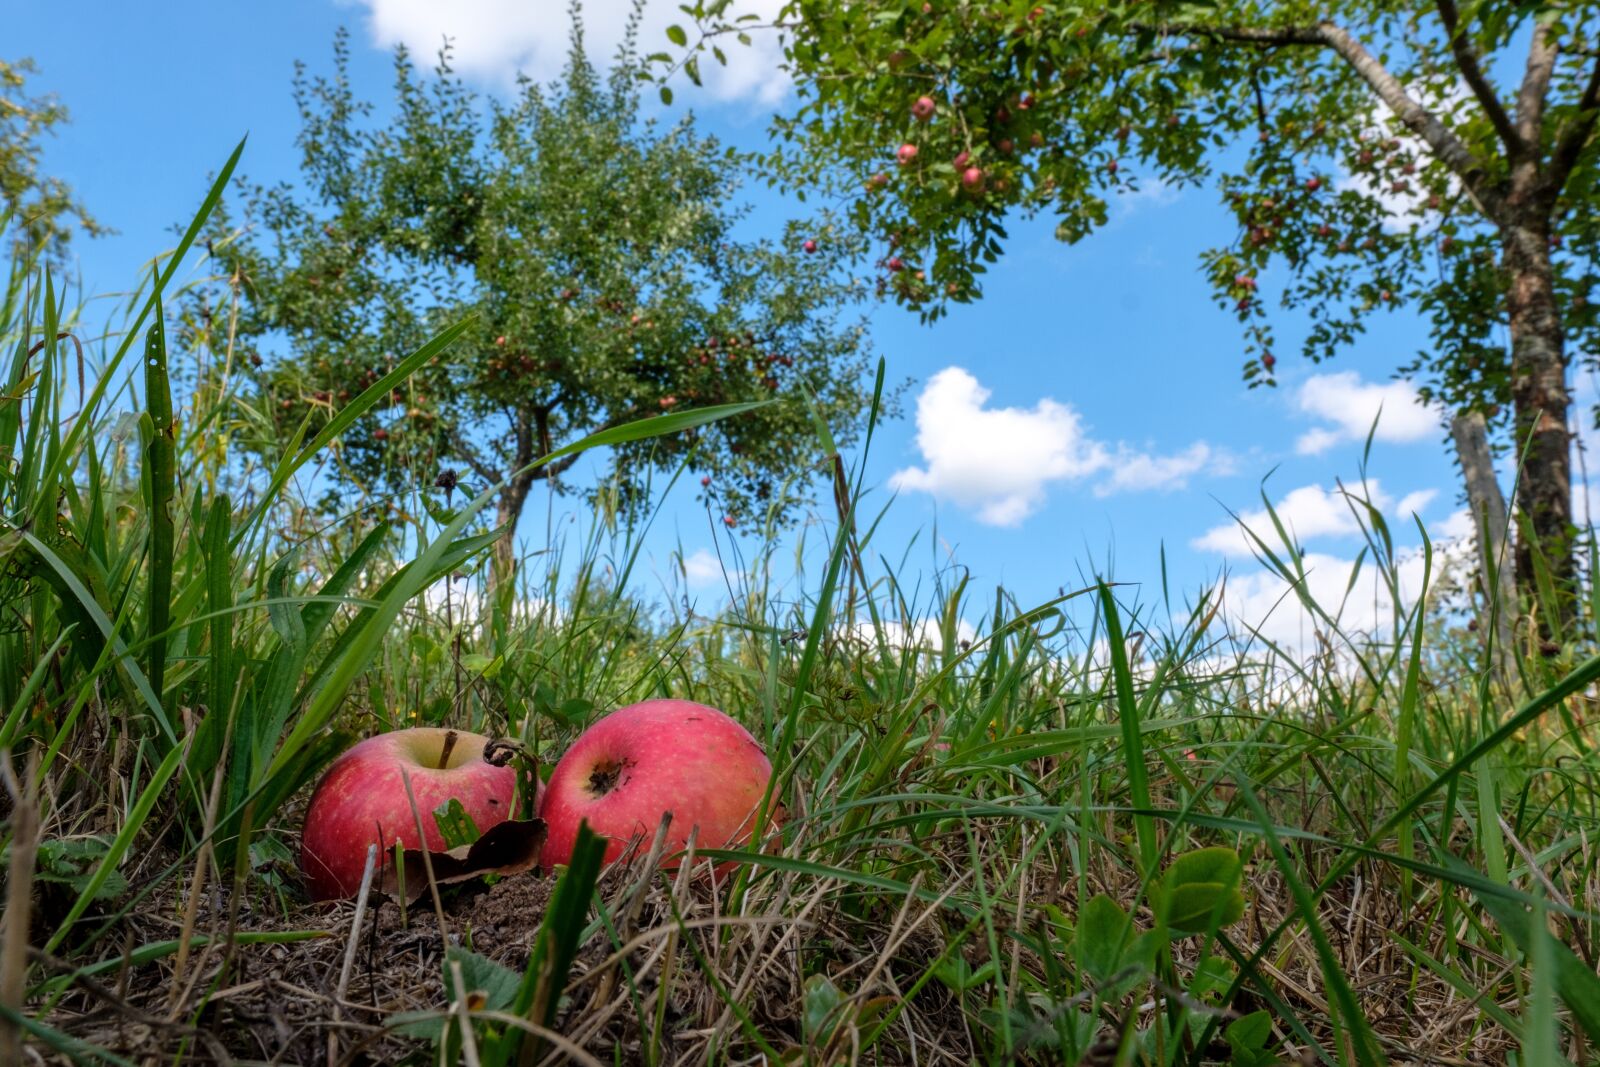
{"x": 639, "y": 762}
{"x": 362, "y": 800}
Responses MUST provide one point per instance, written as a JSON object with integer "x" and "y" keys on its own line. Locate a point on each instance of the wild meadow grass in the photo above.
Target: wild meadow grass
{"x": 1113, "y": 828}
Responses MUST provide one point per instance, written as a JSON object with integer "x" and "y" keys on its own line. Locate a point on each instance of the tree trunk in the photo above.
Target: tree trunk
{"x": 508, "y": 512}
{"x": 1539, "y": 393}
{"x": 1488, "y": 506}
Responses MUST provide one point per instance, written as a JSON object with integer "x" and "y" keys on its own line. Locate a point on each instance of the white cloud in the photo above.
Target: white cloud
{"x": 1351, "y": 404}
{"x": 923, "y": 633}
{"x": 702, "y": 568}
{"x": 1264, "y": 603}
{"x": 998, "y": 461}
{"x": 1310, "y": 512}
{"x": 1136, "y": 471}
{"x": 495, "y": 40}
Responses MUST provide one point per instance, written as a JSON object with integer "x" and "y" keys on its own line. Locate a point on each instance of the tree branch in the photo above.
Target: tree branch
{"x": 1287, "y": 35}
{"x": 1574, "y": 134}
{"x": 1542, "y": 53}
{"x": 480, "y": 468}
{"x": 1446, "y": 146}
{"x": 1467, "y": 61}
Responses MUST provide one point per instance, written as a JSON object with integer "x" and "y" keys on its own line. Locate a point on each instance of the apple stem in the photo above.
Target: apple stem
{"x": 449, "y": 745}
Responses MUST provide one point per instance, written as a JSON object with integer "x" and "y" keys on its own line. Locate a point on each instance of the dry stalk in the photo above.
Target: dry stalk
{"x": 19, "y": 901}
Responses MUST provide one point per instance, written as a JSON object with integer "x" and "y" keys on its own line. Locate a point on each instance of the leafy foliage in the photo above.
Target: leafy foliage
{"x": 46, "y": 212}
{"x": 599, "y": 260}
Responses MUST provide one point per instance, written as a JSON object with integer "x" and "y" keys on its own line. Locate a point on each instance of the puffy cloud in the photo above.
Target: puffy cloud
{"x": 1310, "y": 512}
{"x": 1136, "y": 471}
{"x": 495, "y": 40}
{"x": 998, "y": 461}
{"x": 922, "y": 633}
{"x": 702, "y": 568}
{"x": 1351, "y": 404}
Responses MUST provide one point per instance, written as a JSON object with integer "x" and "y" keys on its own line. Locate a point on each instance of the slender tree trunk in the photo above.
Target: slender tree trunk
{"x": 1488, "y": 507}
{"x": 1539, "y": 393}
{"x": 508, "y": 512}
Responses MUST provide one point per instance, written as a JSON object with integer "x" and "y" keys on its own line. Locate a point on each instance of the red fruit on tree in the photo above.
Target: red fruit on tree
{"x": 895, "y": 263}
{"x": 1268, "y": 361}
{"x": 961, "y": 159}
{"x": 972, "y": 179}
{"x": 877, "y": 181}
{"x": 924, "y": 108}
{"x": 810, "y": 246}
{"x": 1111, "y": 166}
{"x": 727, "y": 520}
{"x": 380, "y": 434}
{"x": 1005, "y": 145}
{"x": 501, "y": 340}
{"x": 1313, "y": 184}
{"x": 907, "y": 154}
{"x": 705, "y": 481}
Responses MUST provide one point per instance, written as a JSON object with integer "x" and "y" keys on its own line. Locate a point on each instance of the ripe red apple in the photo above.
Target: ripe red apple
{"x": 924, "y": 108}
{"x": 1005, "y": 145}
{"x": 362, "y": 800}
{"x": 972, "y": 179}
{"x": 961, "y": 159}
{"x": 907, "y": 154}
{"x": 810, "y": 246}
{"x": 629, "y": 768}
{"x": 1313, "y": 184}
{"x": 895, "y": 263}
{"x": 1268, "y": 361}
{"x": 1111, "y": 166}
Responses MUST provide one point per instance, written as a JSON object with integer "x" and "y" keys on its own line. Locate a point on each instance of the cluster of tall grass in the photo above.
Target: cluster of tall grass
{"x": 1103, "y": 829}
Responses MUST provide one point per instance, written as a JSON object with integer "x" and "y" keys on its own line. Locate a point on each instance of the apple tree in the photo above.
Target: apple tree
{"x": 601, "y": 259}
{"x": 44, "y": 213}
{"x": 1375, "y": 156}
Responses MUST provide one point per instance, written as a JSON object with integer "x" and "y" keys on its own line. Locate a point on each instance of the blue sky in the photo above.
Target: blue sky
{"x": 1086, "y": 413}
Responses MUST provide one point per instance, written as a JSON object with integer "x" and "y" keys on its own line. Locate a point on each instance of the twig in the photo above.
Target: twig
{"x": 350, "y": 948}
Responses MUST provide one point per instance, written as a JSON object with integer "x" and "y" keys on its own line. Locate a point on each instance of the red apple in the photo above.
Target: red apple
{"x": 362, "y": 800}
{"x": 923, "y": 109}
{"x": 810, "y": 246}
{"x": 907, "y": 154}
{"x": 641, "y": 761}
{"x": 972, "y": 179}
{"x": 961, "y": 159}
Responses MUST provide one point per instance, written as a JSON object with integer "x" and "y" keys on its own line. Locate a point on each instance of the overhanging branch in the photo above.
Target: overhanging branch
{"x": 1467, "y": 61}
{"x": 1574, "y": 134}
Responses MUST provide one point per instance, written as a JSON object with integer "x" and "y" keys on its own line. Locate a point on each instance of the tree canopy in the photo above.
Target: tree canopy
{"x": 1373, "y": 156}
{"x": 602, "y": 262}
{"x": 44, "y": 211}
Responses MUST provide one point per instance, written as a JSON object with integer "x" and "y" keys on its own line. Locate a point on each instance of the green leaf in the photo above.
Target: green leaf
{"x": 455, "y": 825}
{"x": 1199, "y": 891}
{"x": 822, "y": 1000}
{"x": 1104, "y": 939}
{"x": 676, "y": 35}
{"x": 1248, "y": 1038}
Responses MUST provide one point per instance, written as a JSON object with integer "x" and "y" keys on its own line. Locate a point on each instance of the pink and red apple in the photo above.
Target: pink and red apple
{"x": 634, "y": 765}
{"x": 362, "y": 800}
{"x": 924, "y": 108}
